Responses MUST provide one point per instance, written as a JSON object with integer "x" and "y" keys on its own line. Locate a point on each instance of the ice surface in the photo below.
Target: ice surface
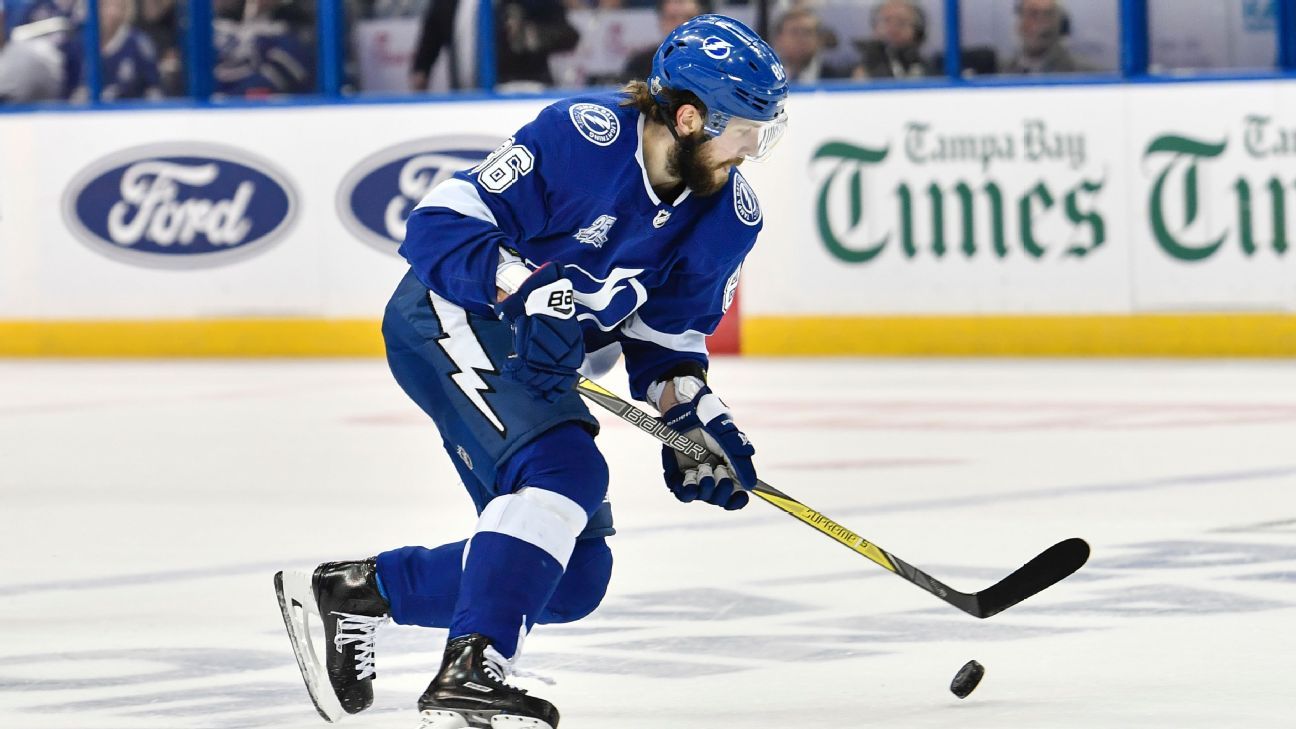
{"x": 145, "y": 506}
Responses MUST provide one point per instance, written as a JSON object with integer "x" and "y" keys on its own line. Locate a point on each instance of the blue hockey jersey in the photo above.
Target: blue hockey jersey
{"x": 130, "y": 67}
{"x": 652, "y": 278}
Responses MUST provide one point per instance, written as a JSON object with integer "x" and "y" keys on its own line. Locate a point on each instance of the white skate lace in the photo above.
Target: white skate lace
{"x": 358, "y": 630}
{"x": 500, "y": 668}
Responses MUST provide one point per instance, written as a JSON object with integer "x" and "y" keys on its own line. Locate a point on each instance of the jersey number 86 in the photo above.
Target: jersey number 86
{"x": 505, "y": 167}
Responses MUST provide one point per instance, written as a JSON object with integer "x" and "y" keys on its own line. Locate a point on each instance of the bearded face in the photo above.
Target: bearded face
{"x": 693, "y": 161}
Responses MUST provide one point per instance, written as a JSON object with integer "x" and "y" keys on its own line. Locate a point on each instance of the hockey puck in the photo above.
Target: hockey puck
{"x": 967, "y": 679}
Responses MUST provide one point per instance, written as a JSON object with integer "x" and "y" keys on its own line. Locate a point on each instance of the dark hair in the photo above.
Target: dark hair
{"x": 920, "y": 16}
{"x": 637, "y": 95}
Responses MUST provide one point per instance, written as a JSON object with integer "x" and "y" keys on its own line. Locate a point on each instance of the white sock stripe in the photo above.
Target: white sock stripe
{"x": 545, "y": 519}
{"x": 570, "y": 511}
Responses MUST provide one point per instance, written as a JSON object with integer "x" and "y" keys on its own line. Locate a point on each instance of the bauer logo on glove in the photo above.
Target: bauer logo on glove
{"x": 548, "y": 346}
{"x": 704, "y": 418}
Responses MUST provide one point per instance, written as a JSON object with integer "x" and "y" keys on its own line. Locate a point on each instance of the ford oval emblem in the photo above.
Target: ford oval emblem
{"x": 180, "y": 205}
{"x": 378, "y": 194}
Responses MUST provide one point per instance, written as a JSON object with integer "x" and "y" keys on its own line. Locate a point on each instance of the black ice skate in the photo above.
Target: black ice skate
{"x": 470, "y": 692}
{"x": 345, "y": 597}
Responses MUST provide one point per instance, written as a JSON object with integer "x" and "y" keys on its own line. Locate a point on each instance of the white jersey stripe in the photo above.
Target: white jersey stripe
{"x": 459, "y": 196}
{"x": 690, "y": 340}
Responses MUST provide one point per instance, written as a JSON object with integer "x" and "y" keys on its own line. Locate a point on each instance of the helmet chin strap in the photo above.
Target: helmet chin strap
{"x": 667, "y": 115}
{"x": 668, "y": 118}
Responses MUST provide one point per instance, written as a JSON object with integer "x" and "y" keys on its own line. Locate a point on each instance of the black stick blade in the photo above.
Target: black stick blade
{"x": 1050, "y": 567}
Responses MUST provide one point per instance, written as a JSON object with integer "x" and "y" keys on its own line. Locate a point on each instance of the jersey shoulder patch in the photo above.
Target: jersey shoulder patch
{"x": 746, "y": 206}
{"x": 595, "y": 122}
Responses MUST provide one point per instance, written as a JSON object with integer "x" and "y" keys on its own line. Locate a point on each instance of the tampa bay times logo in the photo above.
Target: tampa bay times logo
{"x": 952, "y": 194}
{"x": 1204, "y": 200}
{"x": 380, "y": 192}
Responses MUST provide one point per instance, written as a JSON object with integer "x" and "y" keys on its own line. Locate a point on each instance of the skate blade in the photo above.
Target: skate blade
{"x": 297, "y": 604}
{"x": 441, "y": 719}
{"x": 434, "y": 719}
{"x": 509, "y": 721}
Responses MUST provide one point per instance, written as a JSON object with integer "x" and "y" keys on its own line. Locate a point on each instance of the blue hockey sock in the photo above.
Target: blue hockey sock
{"x": 515, "y": 561}
{"x": 422, "y": 584}
{"x": 505, "y": 586}
{"x": 523, "y": 543}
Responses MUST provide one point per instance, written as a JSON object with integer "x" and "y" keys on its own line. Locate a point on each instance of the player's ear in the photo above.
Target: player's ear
{"x": 687, "y": 120}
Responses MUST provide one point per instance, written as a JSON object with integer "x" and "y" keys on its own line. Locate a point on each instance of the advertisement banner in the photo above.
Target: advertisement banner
{"x": 211, "y": 214}
{"x": 1056, "y": 219}
{"x": 1217, "y": 200}
{"x": 902, "y": 204}
{"x": 1088, "y": 200}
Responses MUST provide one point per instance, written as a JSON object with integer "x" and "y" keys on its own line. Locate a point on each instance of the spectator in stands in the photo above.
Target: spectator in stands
{"x": 799, "y": 41}
{"x": 526, "y": 33}
{"x": 1041, "y": 26}
{"x": 259, "y": 51}
{"x": 599, "y": 59}
{"x": 159, "y": 20}
{"x": 670, "y": 13}
{"x": 41, "y": 61}
{"x": 130, "y": 69}
{"x": 895, "y": 50}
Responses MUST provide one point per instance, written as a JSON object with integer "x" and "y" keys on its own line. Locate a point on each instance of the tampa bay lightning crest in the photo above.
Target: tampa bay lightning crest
{"x": 746, "y": 206}
{"x": 377, "y": 195}
{"x": 596, "y": 123}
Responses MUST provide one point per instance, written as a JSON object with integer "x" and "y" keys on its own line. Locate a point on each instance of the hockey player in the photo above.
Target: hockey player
{"x": 611, "y": 225}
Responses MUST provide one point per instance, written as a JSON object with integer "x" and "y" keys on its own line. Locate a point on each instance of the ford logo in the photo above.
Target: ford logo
{"x": 180, "y": 205}
{"x": 379, "y": 193}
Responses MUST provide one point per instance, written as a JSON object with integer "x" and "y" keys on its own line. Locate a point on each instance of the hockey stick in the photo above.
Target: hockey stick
{"x": 1051, "y": 566}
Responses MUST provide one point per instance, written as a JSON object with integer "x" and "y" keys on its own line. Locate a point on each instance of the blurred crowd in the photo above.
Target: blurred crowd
{"x": 268, "y": 47}
{"x": 893, "y": 45}
{"x": 260, "y": 47}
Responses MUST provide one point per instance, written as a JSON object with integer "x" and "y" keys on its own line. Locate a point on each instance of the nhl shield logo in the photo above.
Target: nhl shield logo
{"x": 597, "y": 232}
{"x": 660, "y": 219}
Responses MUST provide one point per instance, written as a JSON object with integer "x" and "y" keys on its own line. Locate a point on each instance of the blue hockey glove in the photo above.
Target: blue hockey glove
{"x": 548, "y": 346}
{"x": 704, "y": 418}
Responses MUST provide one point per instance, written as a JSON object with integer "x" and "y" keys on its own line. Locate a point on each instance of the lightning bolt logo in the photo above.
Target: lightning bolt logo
{"x": 717, "y": 48}
{"x": 460, "y": 344}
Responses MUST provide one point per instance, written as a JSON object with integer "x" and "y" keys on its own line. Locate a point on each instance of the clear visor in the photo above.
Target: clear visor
{"x": 733, "y": 137}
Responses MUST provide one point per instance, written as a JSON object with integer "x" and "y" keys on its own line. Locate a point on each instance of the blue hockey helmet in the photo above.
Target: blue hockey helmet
{"x": 733, "y": 72}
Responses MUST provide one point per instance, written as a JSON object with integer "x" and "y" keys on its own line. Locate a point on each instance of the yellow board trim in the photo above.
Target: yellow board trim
{"x": 1171, "y": 335}
{"x": 193, "y": 338}
{"x": 1141, "y": 335}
